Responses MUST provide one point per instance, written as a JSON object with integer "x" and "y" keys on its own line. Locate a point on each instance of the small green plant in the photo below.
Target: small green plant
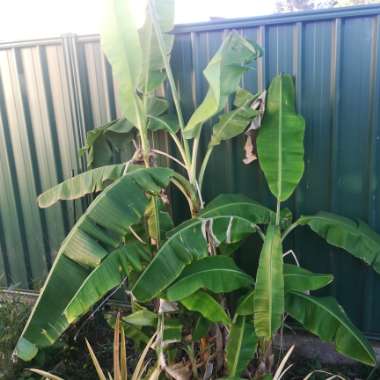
{"x": 178, "y": 277}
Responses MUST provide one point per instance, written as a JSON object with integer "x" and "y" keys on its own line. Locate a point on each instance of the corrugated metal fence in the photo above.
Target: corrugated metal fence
{"x": 53, "y": 91}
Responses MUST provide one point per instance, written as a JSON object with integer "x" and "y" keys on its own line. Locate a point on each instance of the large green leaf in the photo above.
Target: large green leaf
{"x": 239, "y": 205}
{"x": 152, "y": 63}
{"x": 269, "y": 288}
{"x": 89, "y": 182}
{"x": 356, "y": 237}
{"x": 241, "y": 346}
{"x": 223, "y": 74}
{"x": 121, "y": 44}
{"x": 246, "y": 304}
{"x": 301, "y": 280}
{"x": 280, "y": 139}
{"x": 99, "y": 231}
{"x": 232, "y": 124}
{"x": 186, "y": 245}
{"x": 233, "y": 205}
{"x": 216, "y": 273}
{"x": 207, "y": 306}
{"x": 327, "y": 319}
{"x": 106, "y": 276}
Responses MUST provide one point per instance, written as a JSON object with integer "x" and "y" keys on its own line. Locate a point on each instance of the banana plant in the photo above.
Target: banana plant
{"x": 126, "y": 238}
{"x": 124, "y": 228}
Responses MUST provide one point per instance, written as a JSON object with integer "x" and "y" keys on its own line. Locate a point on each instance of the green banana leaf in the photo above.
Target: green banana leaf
{"x": 168, "y": 123}
{"x": 280, "y": 139}
{"x": 207, "y": 306}
{"x": 356, "y": 237}
{"x": 233, "y": 205}
{"x": 98, "y": 232}
{"x": 102, "y": 142}
{"x": 216, "y": 273}
{"x": 153, "y": 73}
{"x": 302, "y": 280}
{"x": 223, "y": 74}
{"x": 142, "y": 317}
{"x": 232, "y": 124}
{"x": 269, "y": 288}
{"x": 89, "y": 182}
{"x": 246, "y": 304}
{"x": 106, "y": 276}
{"x": 121, "y": 44}
{"x": 185, "y": 246}
{"x": 241, "y": 346}
{"x": 326, "y": 318}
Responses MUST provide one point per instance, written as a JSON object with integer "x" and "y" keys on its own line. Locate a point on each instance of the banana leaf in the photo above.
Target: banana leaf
{"x": 326, "y": 318}
{"x": 246, "y": 304}
{"x": 223, "y": 74}
{"x": 280, "y": 139}
{"x": 269, "y": 288}
{"x": 97, "y": 233}
{"x": 233, "y": 205}
{"x": 219, "y": 274}
{"x": 185, "y": 246}
{"x": 89, "y": 182}
{"x": 356, "y": 237}
{"x": 241, "y": 346}
{"x": 207, "y": 306}
{"x": 121, "y": 44}
{"x": 106, "y": 276}
{"x": 302, "y": 280}
{"x": 153, "y": 73}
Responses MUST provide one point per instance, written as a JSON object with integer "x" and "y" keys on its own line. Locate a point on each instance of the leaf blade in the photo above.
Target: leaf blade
{"x": 326, "y": 318}
{"x": 269, "y": 288}
{"x": 280, "y": 139}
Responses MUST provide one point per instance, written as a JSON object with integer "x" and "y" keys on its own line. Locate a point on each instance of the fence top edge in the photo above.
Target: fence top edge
{"x": 215, "y": 25}
{"x": 280, "y": 18}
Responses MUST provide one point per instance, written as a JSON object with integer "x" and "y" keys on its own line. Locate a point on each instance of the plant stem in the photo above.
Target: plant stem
{"x": 278, "y": 210}
{"x": 169, "y": 74}
{"x": 204, "y": 165}
{"x": 169, "y": 156}
{"x": 290, "y": 229}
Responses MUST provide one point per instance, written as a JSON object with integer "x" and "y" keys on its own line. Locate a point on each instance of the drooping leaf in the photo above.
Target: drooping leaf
{"x": 327, "y": 319}
{"x": 219, "y": 274}
{"x": 232, "y": 124}
{"x": 91, "y": 181}
{"x": 98, "y": 232}
{"x": 156, "y": 106}
{"x": 356, "y": 237}
{"x": 121, "y": 44}
{"x": 269, "y": 288}
{"x": 142, "y": 317}
{"x": 106, "y": 276}
{"x": 168, "y": 123}
{"x": 153, "y": 73}
{"x": 301, "y": 280}
{"x": 280, "y": 139}
{"x": 246, "y": 304}
{"x": 233, "y": 205}
{"x": 185, "y": 246}
{"x": 207, "y": 306}
{"x": 223, "y": 74}
{"x": 239, "y": 205}
{"x": 241, "y": 346}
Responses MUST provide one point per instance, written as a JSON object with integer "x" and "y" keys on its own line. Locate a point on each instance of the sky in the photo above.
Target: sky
{"x": 25, "y": 19}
